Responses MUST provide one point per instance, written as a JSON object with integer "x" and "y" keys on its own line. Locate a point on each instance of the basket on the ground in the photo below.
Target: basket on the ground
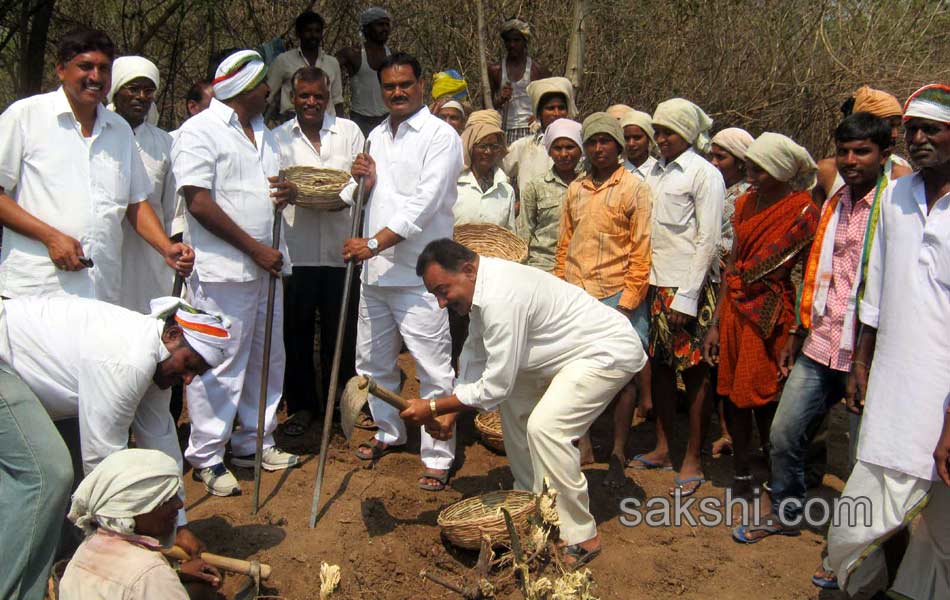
{"x": 487, "y": 239}
{"x": 464, "y": 522}
{"x": 318, "y": 187}
{"x": 488, "y": 425}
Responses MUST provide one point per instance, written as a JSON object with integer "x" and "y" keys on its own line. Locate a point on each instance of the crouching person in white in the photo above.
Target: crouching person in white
{"x": 546, "y": 353}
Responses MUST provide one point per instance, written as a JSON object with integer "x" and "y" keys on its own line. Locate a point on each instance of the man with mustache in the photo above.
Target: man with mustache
{"x": 70, "y": 174}
{"x": 315, "y": 138}
{"x": 411, "y": 173}
{"x": 899, "y": 378}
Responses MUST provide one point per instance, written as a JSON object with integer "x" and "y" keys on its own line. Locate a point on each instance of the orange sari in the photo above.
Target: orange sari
{"x": 759, "y": 308}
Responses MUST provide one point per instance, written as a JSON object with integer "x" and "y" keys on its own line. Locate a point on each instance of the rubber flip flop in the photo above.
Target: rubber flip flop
{"x": 681, "y": 483}
{"x": 824, "y": 583}
{"x": 741, "y": 533}
{"x": 647, "y": 465}
{"x": 365, "y": 421}
{"x": 375, "y": 451}
{"x": 580, "y": 555}
{"x": 443, "y": 479}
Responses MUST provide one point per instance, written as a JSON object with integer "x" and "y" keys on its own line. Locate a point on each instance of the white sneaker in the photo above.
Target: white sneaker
{"x": 272, "y": 459}
{"x": 218, "y": 480}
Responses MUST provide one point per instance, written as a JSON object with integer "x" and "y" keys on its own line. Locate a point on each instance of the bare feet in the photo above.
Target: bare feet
{"x": 616, "y": 478}
{"x": 722, "y": 446}
{"x": 587, "y": 450}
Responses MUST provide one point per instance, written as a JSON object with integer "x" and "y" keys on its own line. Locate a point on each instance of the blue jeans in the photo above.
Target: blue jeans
{"x": 811, "y": 389}
{"x": 35, "y": 477}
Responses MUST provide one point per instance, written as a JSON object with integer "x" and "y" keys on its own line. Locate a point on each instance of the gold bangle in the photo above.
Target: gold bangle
{"x": 432, "y": 408}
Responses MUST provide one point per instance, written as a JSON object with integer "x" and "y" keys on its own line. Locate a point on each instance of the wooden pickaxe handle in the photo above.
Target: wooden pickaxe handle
{"x": 391, "y": 398}
{"x": 234, "y": 565}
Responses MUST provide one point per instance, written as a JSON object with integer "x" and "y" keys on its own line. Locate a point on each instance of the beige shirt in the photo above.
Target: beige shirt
{"x": 286, "y": 64}
{"x": 527, "y": 159}
{"x": 109, "y": 566}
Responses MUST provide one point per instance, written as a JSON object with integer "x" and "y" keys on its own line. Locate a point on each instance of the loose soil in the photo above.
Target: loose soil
{"x": 381, "y": 529}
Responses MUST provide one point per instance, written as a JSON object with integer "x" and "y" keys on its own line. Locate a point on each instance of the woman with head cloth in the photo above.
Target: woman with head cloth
{"x": 484, "y": 194}
{"x": 543, "y": 197}
{"x": 451, "y": 111}
{"x": 127, "y": 506}
{"x": 880, "y": 104}
{"x": 638, "y": 142}
{"x": 774, "y": 223}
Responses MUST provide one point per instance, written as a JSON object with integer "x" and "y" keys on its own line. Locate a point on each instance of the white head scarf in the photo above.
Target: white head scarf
{"x": 783, "y": 159}
{"x": 206, "y": 333}
{"x": 686, "y": 119}
{"x": 538, "y": 88}
{"x": 639, "y": 118}
{"x": 454, "y": 104}
{"x": 734, "y": 140}
{"x": 238, "y": 73}
{"x": 126, "y": 484}
{"x": 563, "y": 128}
{"x": 617, "y": 111}
{"x": 127, "y": 68}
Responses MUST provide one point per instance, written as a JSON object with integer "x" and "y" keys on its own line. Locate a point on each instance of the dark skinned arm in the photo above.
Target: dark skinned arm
{"x": 141, "y": 216}
{"x": 857, "y": 384}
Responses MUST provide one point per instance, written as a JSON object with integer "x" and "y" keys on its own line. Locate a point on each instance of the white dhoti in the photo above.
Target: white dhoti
{"x": 854, "y": 553}
{"x": 925, "y": 569}
{"x": 388, "y": 316}
{"x": 541, "y": 424}
{"x": 233, "y": 388}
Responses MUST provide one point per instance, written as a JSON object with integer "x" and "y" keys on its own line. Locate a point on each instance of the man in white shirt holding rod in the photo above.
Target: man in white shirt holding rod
{"x": 414, "y": 162}
{"x": 315, "y": 138}
{"x": 547, "y": 354}
{"x": 226, "y": 164}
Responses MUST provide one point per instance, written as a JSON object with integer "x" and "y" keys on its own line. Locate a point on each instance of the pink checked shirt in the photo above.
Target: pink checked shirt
{"x": 823, "y": 344}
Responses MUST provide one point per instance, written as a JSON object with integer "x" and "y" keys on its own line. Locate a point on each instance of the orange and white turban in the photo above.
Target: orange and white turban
{"x": 241, "y": 72}
{"x": 929, "y": 102}
{"x": 206, "y": 333}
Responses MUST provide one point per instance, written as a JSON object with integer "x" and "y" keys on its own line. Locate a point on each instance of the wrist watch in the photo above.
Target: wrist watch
{"x": 373, "y": 245}
{"x": 432, "y": 408}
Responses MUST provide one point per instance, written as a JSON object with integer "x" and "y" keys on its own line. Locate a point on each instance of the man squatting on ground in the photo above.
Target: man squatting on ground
{"x": 549, "y": 355}
{"x": 64, "y": 357}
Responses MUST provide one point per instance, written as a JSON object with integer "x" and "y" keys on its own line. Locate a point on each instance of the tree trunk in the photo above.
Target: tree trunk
{"x": 483, "y": 54}
{"x": 575, "y": 52}
{"x": 35, "y": 28}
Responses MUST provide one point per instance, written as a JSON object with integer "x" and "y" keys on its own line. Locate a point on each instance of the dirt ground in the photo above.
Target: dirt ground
{"x": 381, "y": 529}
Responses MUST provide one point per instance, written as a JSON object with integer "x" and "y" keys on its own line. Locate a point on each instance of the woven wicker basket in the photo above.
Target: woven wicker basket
{"x": 464, "y": 522}
{"x": 487, "y": 239}
{"x": 488, "y": 425}
{"x": 318, "y": 187}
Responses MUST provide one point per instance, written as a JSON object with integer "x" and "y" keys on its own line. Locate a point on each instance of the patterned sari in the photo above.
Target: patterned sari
{"x": 760, "y": 298}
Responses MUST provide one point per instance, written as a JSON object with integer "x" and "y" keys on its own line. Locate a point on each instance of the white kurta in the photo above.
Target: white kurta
{"x": 907, "y": 298}
{"x": 81, "y": 186}
{"x": 145, "y": 275}
{"x": 315, "y": 237}
{"x": 496, "y": 205}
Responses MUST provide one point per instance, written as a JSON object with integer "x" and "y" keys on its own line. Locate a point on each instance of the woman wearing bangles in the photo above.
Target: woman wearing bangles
{"x": 774, "y": 223}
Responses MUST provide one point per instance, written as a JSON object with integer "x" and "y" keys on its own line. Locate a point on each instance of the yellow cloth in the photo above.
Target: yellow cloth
{"x": 783, "y": 159}
{"x": 487, "y": 116}
{"x": 478, "y": 130}
{"x": 876, "y": 102}
{"x": 560, "y": 85}
{"x": 443, "y": 84}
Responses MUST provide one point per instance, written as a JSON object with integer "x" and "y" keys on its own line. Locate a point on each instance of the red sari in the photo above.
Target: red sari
{"x": 759, "y": 308}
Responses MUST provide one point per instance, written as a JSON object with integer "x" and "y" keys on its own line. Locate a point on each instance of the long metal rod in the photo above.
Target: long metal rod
{"x": 265, "y": 371}
{"x": 337, "y": 352}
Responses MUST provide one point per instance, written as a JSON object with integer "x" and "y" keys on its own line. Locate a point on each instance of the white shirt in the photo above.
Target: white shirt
{"x": 687, "y": 226}
{"x": 81, "y": 186}
{"x": 282, "y": 70}
{"x": 145, "y": 275}
{"x": 416, "y": 175}
{"x": 524, "y": 320}
{"x": 643, "y": 170}
{"x": 315, "y": 237}
{"x": 527, "y": 159}
{"x": 94, "y": 361}
{"x": 213, "y": 152}
{"x": 907, "y": 298}
{"x": 496, "y": 205}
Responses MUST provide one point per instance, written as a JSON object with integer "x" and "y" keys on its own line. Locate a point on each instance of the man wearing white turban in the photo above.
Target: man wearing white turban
{"x": 688, "y": 194}
{"x": 145, "y": 275}
{"x": 126, "y": 506}
{"x": 361, "y": 64}
{"x": 226, "y": 164}
{"x": 63, "y": 357}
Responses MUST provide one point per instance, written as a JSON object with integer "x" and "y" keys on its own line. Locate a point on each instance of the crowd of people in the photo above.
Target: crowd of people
{"x": 671, "y": 260}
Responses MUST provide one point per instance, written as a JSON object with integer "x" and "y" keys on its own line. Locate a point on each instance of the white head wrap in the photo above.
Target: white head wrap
{"x": 206, "y": 333}
{"x": 373, "y": 14}
{"x": 783, "y": 159}
{"x": 453, "y": 104}
{"x": 539, "y": 88}
{"x": 686, "y": 119}
{"x": 126, "y": 484}
{"x": 734, "y": 140}
{"x": 563, "y": 128}
{"x": 639, "y": 118}
{"x": 930, "y": 102}
{"x": 127, "y": 68}
{"x": 617, "y": 111}
{"x": 238, "y": 73}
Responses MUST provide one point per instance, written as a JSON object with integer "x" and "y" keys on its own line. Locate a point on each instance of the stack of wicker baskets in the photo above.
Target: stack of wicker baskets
{"x": 318, "y": 187}
{"x": 488, "y": 425}
{"x": 487, "y": 239}
{"x": 463, "y": 523}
